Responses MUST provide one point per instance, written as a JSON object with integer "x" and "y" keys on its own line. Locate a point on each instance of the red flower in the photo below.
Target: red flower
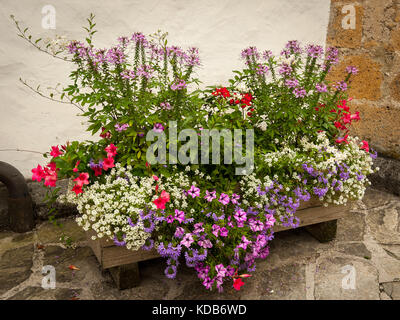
{"x": 108, "y": 163}
{"x": 50, "y": 178}
{"x": 76, "y": 166}
{"x": 365, "y": 146}
{"x": 162, "y": 200}
{"x": 341, "y": 140}
{"x": 237, "y": 283}
{"x": 82, "y": 179}
{"x": 38, "y": 173}
{"x": 224, "y": 92}
{"x": 52, "y": 166}
{"x": 77, "y": 189}
{"x": 55, "y": 152}
{"x": 97, "y": 171}
{"x": 111, "y": 150}
{"x": 105, "y": 134}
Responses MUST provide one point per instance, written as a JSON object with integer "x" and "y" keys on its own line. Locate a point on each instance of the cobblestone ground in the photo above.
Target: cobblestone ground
{"x": 299, "y": 267}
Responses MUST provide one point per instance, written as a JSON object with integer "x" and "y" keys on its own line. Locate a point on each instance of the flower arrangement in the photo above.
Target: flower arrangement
{"x": 204, "y": 215}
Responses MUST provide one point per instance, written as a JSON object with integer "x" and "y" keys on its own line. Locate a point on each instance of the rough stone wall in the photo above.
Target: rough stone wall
{"x": 372, "y": 44}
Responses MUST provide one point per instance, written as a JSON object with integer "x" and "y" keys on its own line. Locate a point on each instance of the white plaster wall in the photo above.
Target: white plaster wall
{"x": 220, "y": 28}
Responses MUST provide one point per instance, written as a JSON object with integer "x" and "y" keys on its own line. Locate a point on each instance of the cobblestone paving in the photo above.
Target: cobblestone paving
{"x": 299, "y": 267}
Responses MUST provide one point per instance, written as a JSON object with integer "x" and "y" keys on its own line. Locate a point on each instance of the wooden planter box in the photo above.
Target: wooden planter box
{"x": 123, "y": 265}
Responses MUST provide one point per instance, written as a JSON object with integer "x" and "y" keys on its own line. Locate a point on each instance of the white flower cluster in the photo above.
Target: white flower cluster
{"x": 286, "y": 166}
{"x": 105, "y": 207}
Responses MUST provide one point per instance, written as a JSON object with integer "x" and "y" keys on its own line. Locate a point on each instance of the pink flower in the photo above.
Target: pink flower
{"x": 235, "y": 197}
{"x": 269, "y": 220}
{"x": 158, "y": 127}
{"x": 155, "y": 178}
{"x": 194, "y": 191}
{"x": 108, "y": 163}
{"x": 187, "y": 240}
{"x": 210, "y": 196}
{"x": 224, "y": 199}
{"x": 82, "y": 179}
{"x": 244, "y": 243}
{"x": 170, "y": 218}
{"x": 52, "y": 166}
{"x": 221, "y": 270}
{"x": 179, "y": 216}
{"x": 240, "y": 215}
{"x": 179, "y": 232}
{"x": 223, "y": 232}
{"x": 205, "y": 243}
{"x": 38, "y": 173}
{"x": 55, "y": 152}
{"x": 111, "y": 150}
{"x": 215, "y": 230}
{"x": 256, "y": 225}
{"x": 198, "y": 228}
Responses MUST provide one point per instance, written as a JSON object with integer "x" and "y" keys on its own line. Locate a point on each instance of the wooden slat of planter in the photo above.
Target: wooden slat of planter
{"x": 117, "y": 256}
{"x": 109, "y": 255}
{"x": 318, "y": 214}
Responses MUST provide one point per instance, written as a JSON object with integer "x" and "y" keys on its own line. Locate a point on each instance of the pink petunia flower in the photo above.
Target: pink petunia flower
{"x": 194, "y": 191}
{"x": 179, "y": 232}
{"x": 179, "y": 216}
{"x": 224, "y": 199}
{"x": 234, "y": 198}
{"x": 240, "y": 215}
{"x": 210, "y": 196}
{"x": 198, "y": 228}
{"x": 269, "y": 220}
{"x": 215, "y": 230}
{"x": 223, "y": 232}
{"x": 205, "y": 243}
{"x": 256, "y": 225}
{"x": 187, "y": 240}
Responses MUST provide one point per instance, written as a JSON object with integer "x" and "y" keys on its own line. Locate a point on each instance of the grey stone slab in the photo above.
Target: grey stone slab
{"x": 15, "y": 267}
{"x": 351, "y": 228}
{"x": 332, "y": 284}
{"x": 38, "y": 293}
{"x": 355, "y": 249}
